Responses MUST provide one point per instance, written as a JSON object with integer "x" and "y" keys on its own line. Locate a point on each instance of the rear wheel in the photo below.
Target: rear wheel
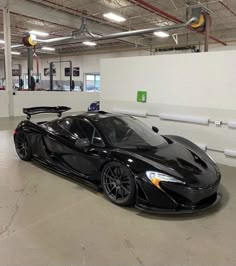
{"x": 23, "y": 149}
{"x": 118, "y": 184}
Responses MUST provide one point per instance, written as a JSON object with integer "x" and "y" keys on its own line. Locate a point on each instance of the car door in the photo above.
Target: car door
{"x": 86, "y": 160}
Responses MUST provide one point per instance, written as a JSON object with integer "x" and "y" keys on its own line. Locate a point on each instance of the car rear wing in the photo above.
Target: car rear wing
{"x": 45, "y": 110}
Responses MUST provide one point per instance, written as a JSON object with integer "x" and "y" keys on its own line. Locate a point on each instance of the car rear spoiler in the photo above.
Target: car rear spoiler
{"x": 45, "y": 110}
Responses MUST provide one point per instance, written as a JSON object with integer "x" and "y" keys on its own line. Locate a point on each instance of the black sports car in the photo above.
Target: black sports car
{"x": 129, "y": 161}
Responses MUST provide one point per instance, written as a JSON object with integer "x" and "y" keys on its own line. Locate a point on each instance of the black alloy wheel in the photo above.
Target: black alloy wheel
{"x": 118, "y": 184}
{"x": 22, "y": 146}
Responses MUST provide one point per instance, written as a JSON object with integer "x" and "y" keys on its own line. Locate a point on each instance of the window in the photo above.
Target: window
{"x": 82, "y": 129}
{"x": 26, "y": 79}
{"x": 128, "y": 132}
{"x": 92, "y": 82}
{"x": 66, "y": 123}
{"x": 97, "y": 140}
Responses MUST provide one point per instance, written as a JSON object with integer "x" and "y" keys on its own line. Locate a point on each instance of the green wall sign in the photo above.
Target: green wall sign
{"x": 141, "y": 96}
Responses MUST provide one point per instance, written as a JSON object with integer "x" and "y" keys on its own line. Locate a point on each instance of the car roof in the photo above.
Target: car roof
{"x": 95, "y": 115}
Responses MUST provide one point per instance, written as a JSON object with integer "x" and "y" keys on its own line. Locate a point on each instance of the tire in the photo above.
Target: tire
{"x": 118, "y": 184}
{"x": 23, "y": 149}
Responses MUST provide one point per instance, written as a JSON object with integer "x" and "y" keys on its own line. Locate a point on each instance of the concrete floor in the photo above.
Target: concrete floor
{"x": 48, "y": 220}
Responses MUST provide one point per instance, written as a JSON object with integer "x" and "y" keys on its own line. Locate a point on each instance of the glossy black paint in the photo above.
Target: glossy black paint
{"x": 57, "y": 148}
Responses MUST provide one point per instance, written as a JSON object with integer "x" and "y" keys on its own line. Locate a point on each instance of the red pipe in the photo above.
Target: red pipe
{"x": 155, "y": 9}
{"x": 163, "y": 14}
{"x": 227, "y": 7}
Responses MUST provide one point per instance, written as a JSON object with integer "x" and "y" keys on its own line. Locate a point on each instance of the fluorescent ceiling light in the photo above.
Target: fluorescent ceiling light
{"x": 89, "y": 43}
{"x": 15, "y": 53}
{"x": 114, "y": 17}
{"x": 165, "y": 23}
{"x": 161, "y": 34}
{"x": 55, "y": 39}
{"x": 39, "y": 33}
{"x": 12, "y": 46}
{"x": 45, "y": 48}
{"x": 16, "y": 45}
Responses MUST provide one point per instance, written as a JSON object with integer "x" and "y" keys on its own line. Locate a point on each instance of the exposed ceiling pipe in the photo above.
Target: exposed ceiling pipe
{"x": 163, "y": 14}
{"x": 59, "y": 37}
{"x": 67, "y": 9}
{"x": 145, "y": 31}
{"x": 130, "y": 33}
{"x": 227, "y": 7}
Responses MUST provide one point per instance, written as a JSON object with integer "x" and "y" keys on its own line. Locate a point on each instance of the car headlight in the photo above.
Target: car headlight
{"x": 156, "y": 178}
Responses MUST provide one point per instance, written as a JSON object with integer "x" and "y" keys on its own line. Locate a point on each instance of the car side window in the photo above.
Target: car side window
{"x": 97, "y": 140}
{"x": 90, "y": 132}
{"x": 66, "y": 123}
{"x": 81, "y": 128}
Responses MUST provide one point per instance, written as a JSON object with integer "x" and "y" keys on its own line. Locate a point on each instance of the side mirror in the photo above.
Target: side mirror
{"x": 155, "y": 129}
{"x": 82, "y": 143}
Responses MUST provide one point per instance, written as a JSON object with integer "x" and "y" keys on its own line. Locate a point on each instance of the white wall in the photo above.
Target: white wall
{"x": 3, "y": 104}
{"x": 87, "y": 63}
{"x": 91, "y": 63}
{"x": 202, "y": 84}
{"x": 78, "y": 101}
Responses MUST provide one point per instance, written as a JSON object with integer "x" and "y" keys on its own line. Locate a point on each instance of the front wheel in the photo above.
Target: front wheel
{"x": 118, "y": 184}
{"x": 23, "y": 149}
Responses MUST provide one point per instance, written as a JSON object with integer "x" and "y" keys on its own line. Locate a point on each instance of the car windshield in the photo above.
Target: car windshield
{"x": 128, "y": 132}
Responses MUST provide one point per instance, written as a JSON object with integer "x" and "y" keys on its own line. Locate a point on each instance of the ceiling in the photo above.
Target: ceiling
{"x": 60, "y": 17}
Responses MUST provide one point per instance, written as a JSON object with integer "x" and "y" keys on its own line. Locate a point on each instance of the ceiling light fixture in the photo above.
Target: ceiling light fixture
{"x": 12, "y": 46}
{"x": 45, "y": 48}
{"x": 15, "y": 53}
{"x": 114, "y": 17}
{"x": 161, "y": 34}
{"x": 16, "y": 45}
{"x": 89, "y": 43}
{"x": 39, "y": 33}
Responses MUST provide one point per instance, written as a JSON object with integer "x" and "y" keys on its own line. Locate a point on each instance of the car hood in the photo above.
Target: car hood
{"x": 181, "y": 162}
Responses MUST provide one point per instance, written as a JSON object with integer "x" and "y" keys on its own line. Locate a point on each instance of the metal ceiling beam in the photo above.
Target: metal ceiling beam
{"x": 60, "y": 18}
{"x": 42, "y": 13}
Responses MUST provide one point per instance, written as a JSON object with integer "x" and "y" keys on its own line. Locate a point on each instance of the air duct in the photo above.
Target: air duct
{"x": 232, "y": 124}
{"x": 230, "y": 153}
{"x": 185, "y": 118}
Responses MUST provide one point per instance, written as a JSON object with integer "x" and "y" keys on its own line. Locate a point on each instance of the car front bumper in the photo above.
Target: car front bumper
{"x": 174, "y": 198}
{"x": 181, "y": 209}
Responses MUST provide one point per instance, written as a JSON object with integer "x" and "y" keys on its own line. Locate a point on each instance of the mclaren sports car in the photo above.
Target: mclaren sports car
{"x": 117, "y": 154}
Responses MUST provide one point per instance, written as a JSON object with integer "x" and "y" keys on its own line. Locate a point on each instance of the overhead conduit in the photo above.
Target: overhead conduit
{"x": 163, "y": 14}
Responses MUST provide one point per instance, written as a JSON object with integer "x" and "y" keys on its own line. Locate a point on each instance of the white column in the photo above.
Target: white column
{"x": 8, "y": 59}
